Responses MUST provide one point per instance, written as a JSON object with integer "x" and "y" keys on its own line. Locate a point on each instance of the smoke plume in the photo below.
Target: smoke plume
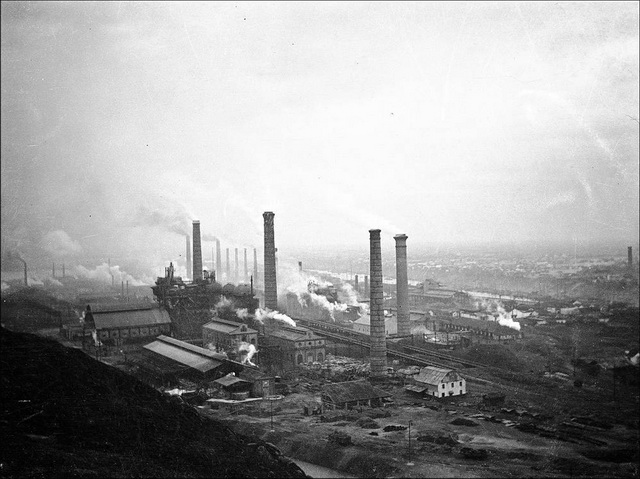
{"x": 59, "y": 244}
{"x": 103, "y": 273}
{"x": 250, "y": 350}
{"x": 262, "y": 314}
{"x": 174, "y": 218}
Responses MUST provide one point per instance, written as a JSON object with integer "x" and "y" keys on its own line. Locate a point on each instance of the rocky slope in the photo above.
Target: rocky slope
{"x": 65, "y": 414}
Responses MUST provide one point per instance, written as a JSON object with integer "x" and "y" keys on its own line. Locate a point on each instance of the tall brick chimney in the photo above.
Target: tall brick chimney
{"x": 197, "y": 252}
{"x": 255, "y": 267}
{"x": 378, "y": 355}
{"x": 630, "y": 258}
{"x": 366, "y": 286}
{"x": 218, "y": 262}
{"x": 189, "y": 258}
{"x": 228, "y": 277}
{"x": 402, "y": 286}
{"x": 356, "y": 285}
{"x": 246, "y": 271}
{"x": 270, "y": 284}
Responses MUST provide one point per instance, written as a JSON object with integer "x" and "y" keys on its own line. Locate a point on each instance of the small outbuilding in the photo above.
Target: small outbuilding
{"x": 348, "y": 394}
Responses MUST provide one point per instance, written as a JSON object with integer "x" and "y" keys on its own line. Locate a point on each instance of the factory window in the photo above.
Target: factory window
{"x": 442, "y": 395}
{"x": 300, "y": 359}
{"x": 244, "y": 338}
{"x": 460, "y": 383}
{"x": 452, "y": 384}
{"x": 319, "y": 357}
{"x": 253, "y": 341}
{"x": 310, "y": 343}
{"x": 443, "y": 386}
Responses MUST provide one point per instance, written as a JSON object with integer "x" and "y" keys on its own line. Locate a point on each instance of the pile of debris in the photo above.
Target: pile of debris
{"x": 344, "y": 369}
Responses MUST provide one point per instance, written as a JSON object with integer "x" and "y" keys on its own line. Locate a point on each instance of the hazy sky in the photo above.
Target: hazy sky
{"x": 450, "y": 122}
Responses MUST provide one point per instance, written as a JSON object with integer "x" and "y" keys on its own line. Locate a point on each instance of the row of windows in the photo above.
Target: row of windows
{"x": 310, "y": 343}
{"x": 452, "y": 384}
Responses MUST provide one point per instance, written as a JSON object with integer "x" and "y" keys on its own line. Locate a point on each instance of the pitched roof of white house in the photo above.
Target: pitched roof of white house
{"x": 432, "y": 375}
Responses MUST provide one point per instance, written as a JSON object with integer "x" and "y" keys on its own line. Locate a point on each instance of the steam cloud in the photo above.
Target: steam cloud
{"x": 103, "y": 273}
{"x": 59, "y": 244}
{"x": 262, "y": 314}
{"x": 176, "y": 221}
{"x": 250, "y": 349}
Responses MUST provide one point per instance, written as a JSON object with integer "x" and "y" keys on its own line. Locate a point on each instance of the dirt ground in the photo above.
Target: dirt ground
{"x": 434, "y": 447}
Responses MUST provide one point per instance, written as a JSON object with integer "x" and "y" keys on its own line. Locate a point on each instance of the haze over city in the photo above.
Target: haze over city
{"x": 455, "y": 123}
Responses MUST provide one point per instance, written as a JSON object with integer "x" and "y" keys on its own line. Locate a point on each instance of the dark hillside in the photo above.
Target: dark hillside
{"x": 65, "y": 414}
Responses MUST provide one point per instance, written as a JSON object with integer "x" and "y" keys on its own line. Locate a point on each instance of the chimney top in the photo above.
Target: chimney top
{"x": 374, "y": 231}
{"x": 196, "y": 222}
{"x": 401, "y": 236}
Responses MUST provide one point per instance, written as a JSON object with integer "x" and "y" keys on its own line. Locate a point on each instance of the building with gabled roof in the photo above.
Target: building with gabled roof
{"x": 438, "y": 382}
{"x": 168, "y": 359}
{"x": 224, "y": 334}
{"x": 127, "y": 321}
{"x": 348, "y": 394}
{"x": 295, "y": 345}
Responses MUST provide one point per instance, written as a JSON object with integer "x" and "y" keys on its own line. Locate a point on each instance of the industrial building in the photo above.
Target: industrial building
{"x": 190, "y": 303}
{"x": 349, "y": 394}
{"x": 167, "y": 360}
{"x": 223, "y": 334}
{"x": 123, "y": 322}
{"x": 292, "y": 346}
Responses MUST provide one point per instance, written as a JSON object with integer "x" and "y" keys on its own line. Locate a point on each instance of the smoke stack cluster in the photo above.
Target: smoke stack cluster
{"x": 197, "y": 252}
{"x": 402, "y": 286}
{"x": 270, "y": 285}
{"x": 236, "y": 273}
{"x": 188, "y": 257}
{"x": 246, "y": 271}
{"x": 376, "y": 308}
{"x": 218, "y": 262}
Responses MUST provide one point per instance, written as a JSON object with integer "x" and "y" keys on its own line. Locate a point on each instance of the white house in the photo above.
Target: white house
{"x": 439, "y": 382}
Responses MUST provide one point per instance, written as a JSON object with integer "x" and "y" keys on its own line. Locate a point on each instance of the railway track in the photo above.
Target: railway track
{"x": 414, "y": 354}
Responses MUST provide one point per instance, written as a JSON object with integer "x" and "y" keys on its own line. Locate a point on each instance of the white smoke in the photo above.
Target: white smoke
{"x": 262, "y": 314}
{"x": 104, "y": 273}
{"x": 59, "y": 244}
{"x": 5, "y": 286}
{"x": 250, "y": 349}
{"x": 502, "y": 316}
{"x": 212, "y": 347}
{"x": 94, "y": 335}
{"x": 242, "y": 313}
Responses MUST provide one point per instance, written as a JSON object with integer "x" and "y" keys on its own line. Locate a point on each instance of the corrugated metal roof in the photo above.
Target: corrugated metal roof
{"x": 191, "y": 347}
{"x": 230, "y": 380}
{"x": 113, "y": 307}
{"x": 417, "y": 389}
{"x": 432, "y": 375}
{"x": 227, "y": 326}
{"x": 353, "y": 391}
{"x": 130, "y": 319}
{"x": 200, "y": 362}
{"x": 294, "y": 335}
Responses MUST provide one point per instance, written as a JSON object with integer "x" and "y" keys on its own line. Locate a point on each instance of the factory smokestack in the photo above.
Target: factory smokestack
{"x": 227, "y": 278}
{"x": 300, "y": 265}
{"x": 189, "y": 258}
{"x": 236, "y": 274}
{"x": 246, "y": 270}
{"x": 270, "y": 285}
{"x": 63, "y": 270}
{"x": 402, "y": 286}
{"x": 197, "y": 252}
{"x": 356, "y": 285}
{"x": 218, "y": 262}
{"x": 630, "y": 258}
{"x": 255, "y": 266}
{"x": 53, "y": 272}
{"x": 378, "y": 355}
{"x": 366, "y": 286}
